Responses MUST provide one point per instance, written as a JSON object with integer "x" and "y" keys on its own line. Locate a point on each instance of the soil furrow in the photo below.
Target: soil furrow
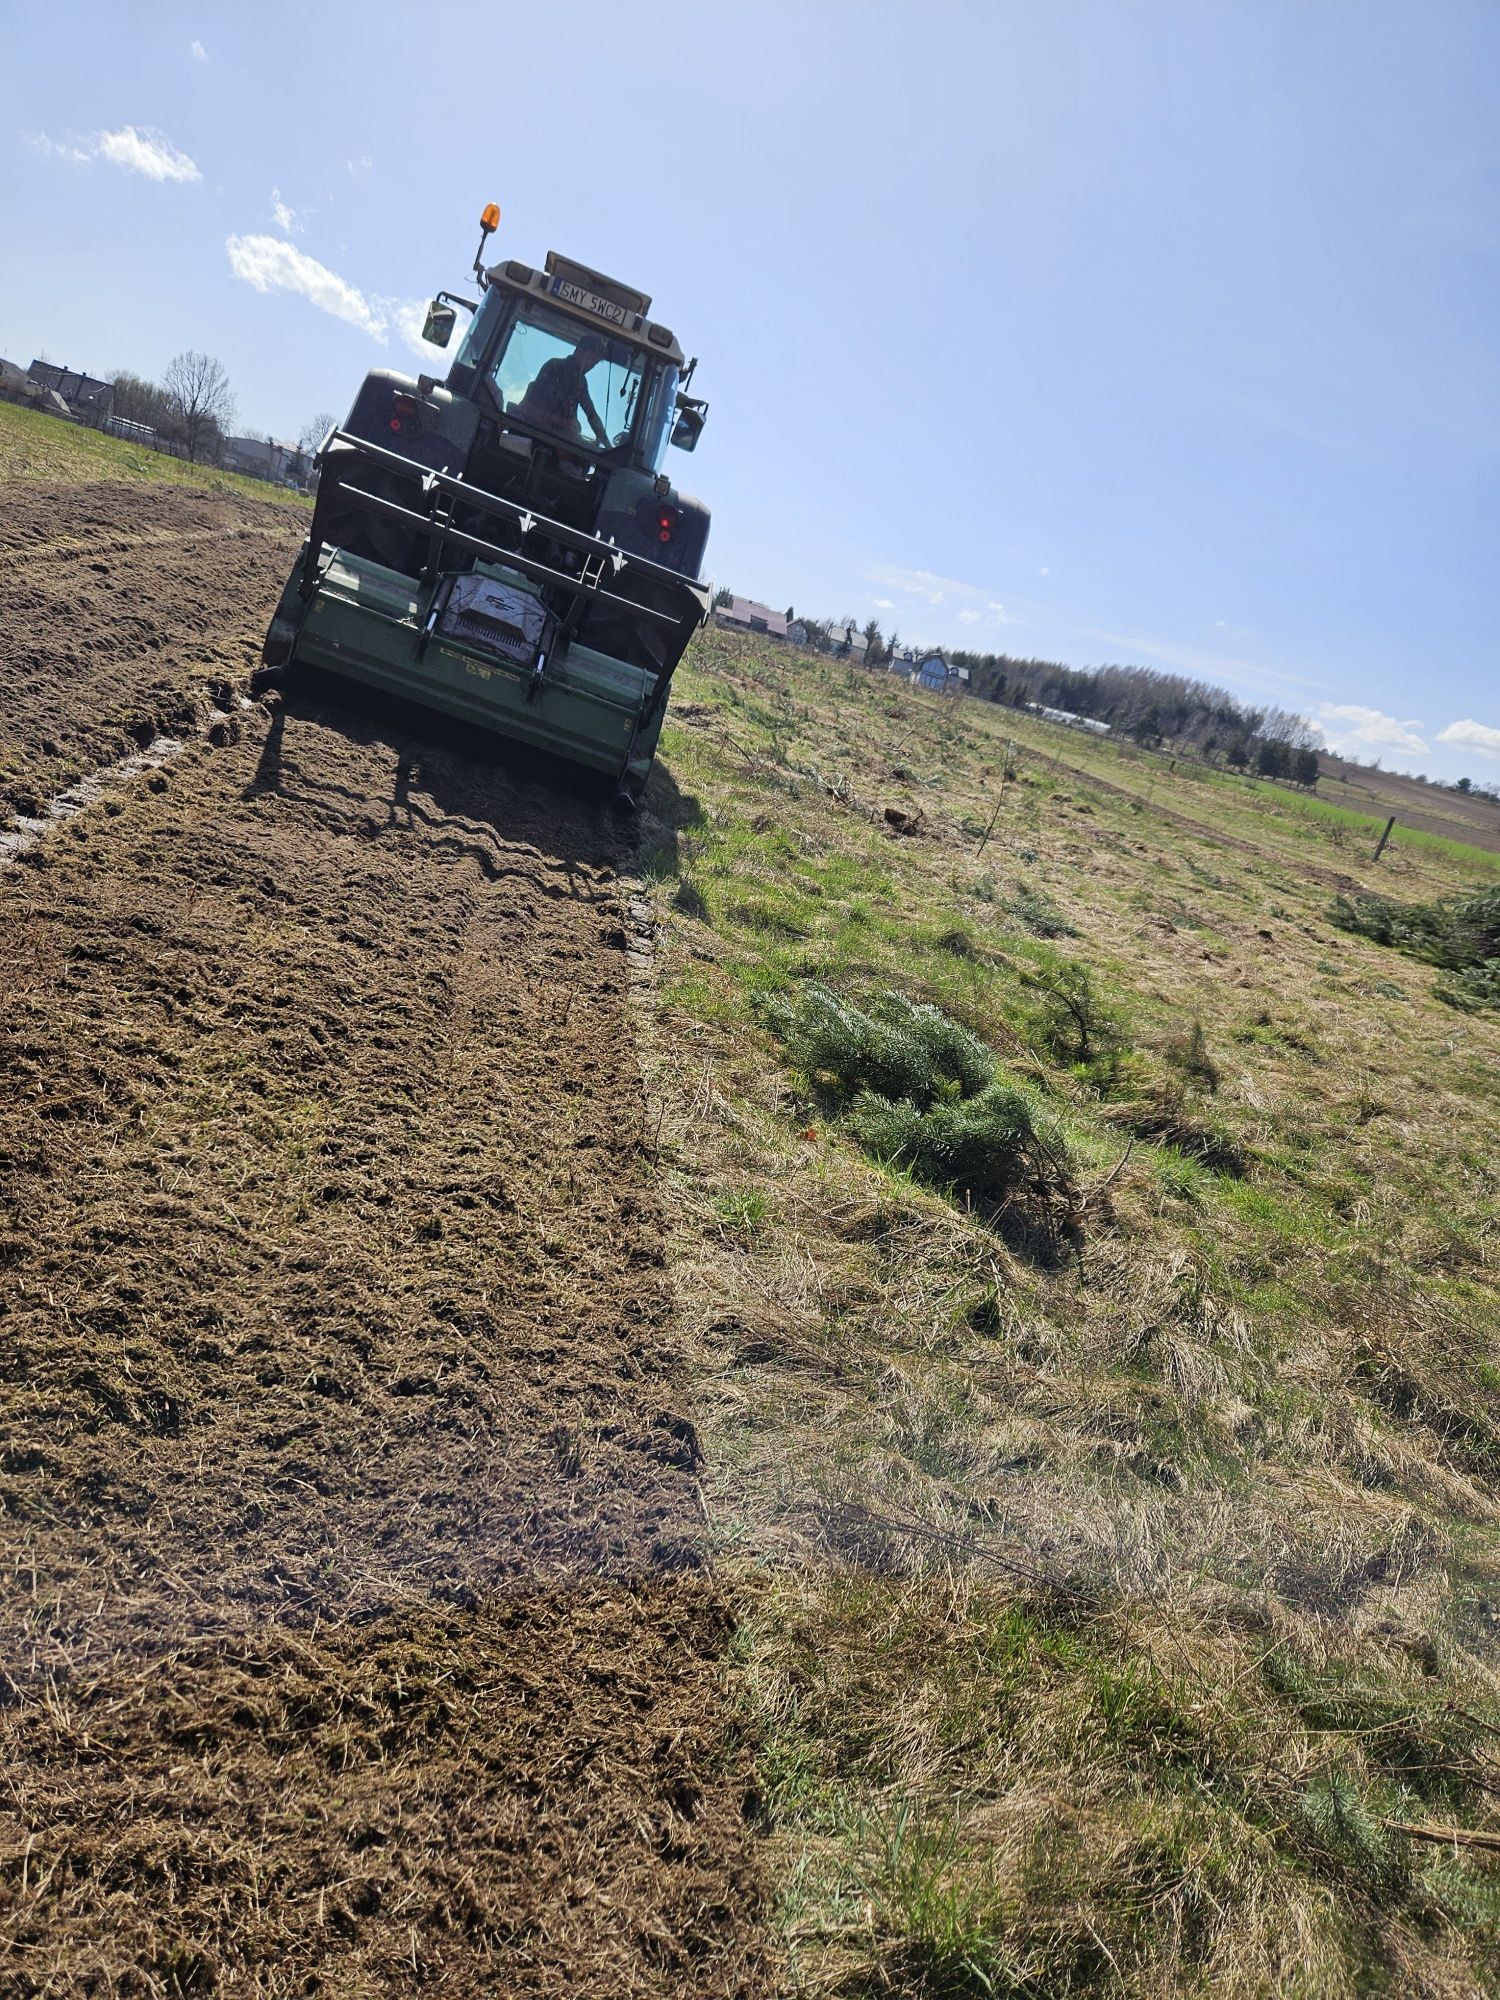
{"x": 355, "y": 1629}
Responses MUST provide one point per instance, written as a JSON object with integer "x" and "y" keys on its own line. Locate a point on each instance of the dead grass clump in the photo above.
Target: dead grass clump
{"x": 1166, "y": 1118}
{"x": 1187, "y": 1051}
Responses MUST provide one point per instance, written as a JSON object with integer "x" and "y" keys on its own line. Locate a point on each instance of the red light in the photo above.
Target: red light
{"x": 666, "y": 535}
{"x": 395, "y": 423}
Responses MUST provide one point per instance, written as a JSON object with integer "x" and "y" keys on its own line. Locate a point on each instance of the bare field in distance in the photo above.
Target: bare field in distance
{"x": 1432, "y": 808}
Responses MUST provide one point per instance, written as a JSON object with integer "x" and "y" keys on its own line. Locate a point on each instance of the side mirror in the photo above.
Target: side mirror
{"x": 438, "y": 325}
{"x": 688, "y": 429}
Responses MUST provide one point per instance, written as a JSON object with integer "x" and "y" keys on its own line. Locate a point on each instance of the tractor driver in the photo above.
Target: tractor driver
{"x": 561, "y": 391}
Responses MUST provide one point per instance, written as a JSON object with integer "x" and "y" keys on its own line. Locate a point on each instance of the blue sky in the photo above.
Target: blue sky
{"x": 1130, "y": 331}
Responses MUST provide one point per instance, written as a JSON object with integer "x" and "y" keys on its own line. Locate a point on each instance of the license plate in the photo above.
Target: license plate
{"x": 575, "y": 295}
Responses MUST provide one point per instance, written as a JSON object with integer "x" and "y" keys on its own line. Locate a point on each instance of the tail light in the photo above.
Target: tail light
{"x": 403, "y": 410}
{"x": 666, "y": 522}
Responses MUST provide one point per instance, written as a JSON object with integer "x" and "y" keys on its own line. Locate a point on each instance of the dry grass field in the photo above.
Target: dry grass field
{"x": 1122, "y": 1605}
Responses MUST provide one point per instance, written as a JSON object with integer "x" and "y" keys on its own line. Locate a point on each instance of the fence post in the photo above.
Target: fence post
{"x": 1380, "y": 844}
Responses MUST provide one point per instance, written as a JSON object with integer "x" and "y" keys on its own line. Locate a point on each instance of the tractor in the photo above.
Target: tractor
{"x": 503, "y": 545}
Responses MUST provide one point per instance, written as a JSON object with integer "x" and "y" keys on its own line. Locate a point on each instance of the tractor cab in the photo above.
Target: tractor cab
{"x": 579, "y": 393}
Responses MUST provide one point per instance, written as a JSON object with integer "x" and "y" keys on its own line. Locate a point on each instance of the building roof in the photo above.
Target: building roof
{"x": 754, "y": 617}
{"x": 72, "y": 383}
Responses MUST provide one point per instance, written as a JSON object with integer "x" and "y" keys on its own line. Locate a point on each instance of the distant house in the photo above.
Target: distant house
{"x": 16, "y": 386}
{"x": 743, "y": 614}
{"x": 933, "y": 674}
{"x": 796, "y": 633}
{"x": 263, "y": 458}
{"x": 84, "y": 395}
{"x": 848, "y": 643}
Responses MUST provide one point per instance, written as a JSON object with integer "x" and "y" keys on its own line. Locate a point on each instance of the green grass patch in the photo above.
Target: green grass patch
{"x": 35, "y": 446}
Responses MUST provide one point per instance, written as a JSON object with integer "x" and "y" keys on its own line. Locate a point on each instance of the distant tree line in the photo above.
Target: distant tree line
{"x": 192, "y": 409}
{"x": 1154, "y": 709}
{"x": 1147, "y": 706}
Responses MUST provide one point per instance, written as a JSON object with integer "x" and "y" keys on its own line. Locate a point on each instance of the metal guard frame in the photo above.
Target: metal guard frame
{"x": 442, "y": 491}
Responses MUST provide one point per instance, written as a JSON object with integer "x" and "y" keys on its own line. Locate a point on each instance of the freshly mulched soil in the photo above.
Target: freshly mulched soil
{"x": 355, "y": 1630}
{"x": 128, "y": 611}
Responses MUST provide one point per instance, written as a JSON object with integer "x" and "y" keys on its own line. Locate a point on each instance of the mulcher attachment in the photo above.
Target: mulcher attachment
{"x": 531, "y": 630}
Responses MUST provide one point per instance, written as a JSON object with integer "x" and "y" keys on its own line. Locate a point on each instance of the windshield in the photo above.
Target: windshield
{"x": 566, "y": 378}
{"x": 478, "y": 332}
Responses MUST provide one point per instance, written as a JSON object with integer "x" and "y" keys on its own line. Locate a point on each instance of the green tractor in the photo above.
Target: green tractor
{"x": 504, "y": 546}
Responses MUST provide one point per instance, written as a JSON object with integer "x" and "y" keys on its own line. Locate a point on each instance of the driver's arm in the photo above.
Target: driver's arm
{"x": 586, "y": 404}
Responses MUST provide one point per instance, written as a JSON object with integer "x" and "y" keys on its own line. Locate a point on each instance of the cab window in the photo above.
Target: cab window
{"x": 661, "y": 407}
{"x": 539, "y": 337}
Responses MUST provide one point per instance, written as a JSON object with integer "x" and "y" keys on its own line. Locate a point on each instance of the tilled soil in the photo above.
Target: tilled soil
{"x": 115, "y": 627}
{"x": 355, "y": 1632}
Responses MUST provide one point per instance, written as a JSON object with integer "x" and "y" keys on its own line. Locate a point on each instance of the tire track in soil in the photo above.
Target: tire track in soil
{"x": 354, "y": 1628}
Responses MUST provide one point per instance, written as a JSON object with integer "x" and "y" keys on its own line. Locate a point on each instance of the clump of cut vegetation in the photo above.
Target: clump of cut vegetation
{"x": 1461, "y": 934}
{"x": 897, "y": 1050}
{"x": 984, "y": 1146}
{"x": 922, "y": 1093}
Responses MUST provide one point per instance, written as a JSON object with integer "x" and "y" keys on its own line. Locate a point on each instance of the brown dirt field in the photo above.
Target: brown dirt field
{"x": 115, "y": 626}
{"x": 355, "y": 1632}
{"x": 1423, "y": 807}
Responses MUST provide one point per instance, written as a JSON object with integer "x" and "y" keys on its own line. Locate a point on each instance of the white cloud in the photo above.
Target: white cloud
{"x": 146, "y": 151}
{"x": 271, "y": 264}
{"x": 973, "y": 603}
{"x": 923, "y": 583}
{"x": 1348, "y": 727}
{"x": 1044, "y": 572}
{"x": 139, "y": 150}
{"x": 59, "y": 149}
{"x": 884, "y": 603}
{"x": 1480, "y": 737}
{"x": 285, "y": 218}
{"x": 360, "y": 166}
{"x": 197, "y": 51}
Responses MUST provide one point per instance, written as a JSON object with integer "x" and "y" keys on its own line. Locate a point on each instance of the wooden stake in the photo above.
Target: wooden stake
{"x": 1380, "y": 845}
